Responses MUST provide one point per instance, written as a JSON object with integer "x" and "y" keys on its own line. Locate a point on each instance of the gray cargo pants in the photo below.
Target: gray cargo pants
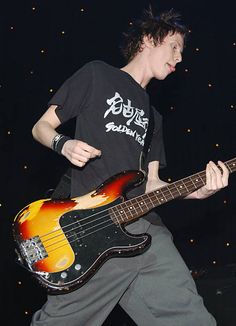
{"x": 155, "y": 289}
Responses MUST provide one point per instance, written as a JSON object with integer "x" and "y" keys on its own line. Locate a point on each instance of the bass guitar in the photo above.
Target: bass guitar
{"x": 64, "y": 242}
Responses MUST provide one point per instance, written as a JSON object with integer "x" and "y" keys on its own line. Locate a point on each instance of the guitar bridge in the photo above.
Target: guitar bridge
{"x": 33, "y": 250}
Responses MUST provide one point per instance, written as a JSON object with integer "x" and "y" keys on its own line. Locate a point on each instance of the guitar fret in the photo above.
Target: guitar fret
{"x": 130, "y": 209}
{"x": 229, "y": 167}
{"x": 193, "y": 183}
{"x": 161, "y": 199}
{"x": 197, "y": 182}
{"x": 176, "y": 187}
{"x": 145, "y": 209}
{"x": 150, "y": 202}
{"x": 173, "y": 191}
{"x": 126, "y": 216}
{"x": 114, "y": 211}
{"x": 171, "y": 196}
{"x": 189, "y": 185}
{"x": 140, "y": 205}
{"x": 183, "y": 184}
{"x": 233, "y": 167}
{"x": 121, "y": 212}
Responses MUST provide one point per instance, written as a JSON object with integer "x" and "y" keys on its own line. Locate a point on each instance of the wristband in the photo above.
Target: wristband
{"x": 58, "y": 142}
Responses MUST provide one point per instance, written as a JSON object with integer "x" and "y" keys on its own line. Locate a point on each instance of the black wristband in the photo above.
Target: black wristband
{"x": 58, "y": 142}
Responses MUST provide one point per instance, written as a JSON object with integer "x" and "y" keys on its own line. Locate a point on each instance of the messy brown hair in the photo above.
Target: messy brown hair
{"x": 157, "y": 27}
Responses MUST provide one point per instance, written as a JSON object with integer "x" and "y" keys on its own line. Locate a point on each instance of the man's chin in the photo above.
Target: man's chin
{"x": 161, "y": 77}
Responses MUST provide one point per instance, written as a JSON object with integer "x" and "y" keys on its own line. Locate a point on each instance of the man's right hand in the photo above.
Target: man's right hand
{"x": 79, "y": 152}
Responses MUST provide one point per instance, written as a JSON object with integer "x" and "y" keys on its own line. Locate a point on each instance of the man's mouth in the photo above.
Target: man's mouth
{"x": 172, "y": 68}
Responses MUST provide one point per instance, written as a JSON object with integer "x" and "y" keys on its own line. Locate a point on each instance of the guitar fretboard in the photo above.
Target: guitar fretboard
{"x": 138, "y": 206}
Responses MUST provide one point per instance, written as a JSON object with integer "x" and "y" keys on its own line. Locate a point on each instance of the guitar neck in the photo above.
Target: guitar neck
{"x": 136, "y": 207}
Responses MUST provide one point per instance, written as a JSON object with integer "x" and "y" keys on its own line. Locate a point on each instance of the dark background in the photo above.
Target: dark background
{"x": 43, "y": 43}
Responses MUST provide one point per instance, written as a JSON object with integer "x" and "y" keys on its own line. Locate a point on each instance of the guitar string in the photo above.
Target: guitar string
{"x": 78, "y": 238}
{"x": 149, "y": 196}
{"x": 161, "y": 190}
{"x": 81, "y": 237}
{"x": 94, "y": 220}
{"x": 165, "y": 195}
{"x": 67, "y": 241}
{"x": 84, "y": 231}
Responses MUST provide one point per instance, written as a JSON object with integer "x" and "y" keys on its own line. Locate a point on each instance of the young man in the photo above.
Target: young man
{"x": 112, "y": 112}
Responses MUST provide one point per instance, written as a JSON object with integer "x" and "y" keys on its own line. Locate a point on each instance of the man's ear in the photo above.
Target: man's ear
{"x": 148, "y": 41}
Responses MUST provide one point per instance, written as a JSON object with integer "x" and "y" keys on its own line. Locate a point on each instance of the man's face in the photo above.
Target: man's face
{"x": 164, "y": 57}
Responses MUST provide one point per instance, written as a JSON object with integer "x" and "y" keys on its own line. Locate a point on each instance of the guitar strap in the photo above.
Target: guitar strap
{"x": 62, "y": 189}
{"x": 148, "y": 139}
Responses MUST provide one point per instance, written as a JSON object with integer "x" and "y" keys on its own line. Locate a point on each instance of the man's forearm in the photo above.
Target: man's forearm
{"x": 43, "y": 132}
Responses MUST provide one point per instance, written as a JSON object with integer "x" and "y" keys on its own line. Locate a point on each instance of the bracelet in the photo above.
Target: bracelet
{"x": 58, "y": 142}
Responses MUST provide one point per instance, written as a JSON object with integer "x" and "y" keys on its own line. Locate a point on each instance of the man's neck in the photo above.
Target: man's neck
{"x": 137, "y": 69}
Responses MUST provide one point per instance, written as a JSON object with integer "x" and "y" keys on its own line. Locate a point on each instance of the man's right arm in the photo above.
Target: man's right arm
{"x": 76, "y": 151}
{"x": 45, "y": 128}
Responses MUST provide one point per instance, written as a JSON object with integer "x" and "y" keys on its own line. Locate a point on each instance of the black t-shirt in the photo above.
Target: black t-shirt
{"x": 112, "y": 114}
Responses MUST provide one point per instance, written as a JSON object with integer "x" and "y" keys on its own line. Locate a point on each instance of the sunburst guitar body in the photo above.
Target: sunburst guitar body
{"x": 64, "y": 242}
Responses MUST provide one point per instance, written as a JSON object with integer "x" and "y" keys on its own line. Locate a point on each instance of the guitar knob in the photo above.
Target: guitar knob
{"x": 77, "y": 267}
{"x": 63, "y": 275}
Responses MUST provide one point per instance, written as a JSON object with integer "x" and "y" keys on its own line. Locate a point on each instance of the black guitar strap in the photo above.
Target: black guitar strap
{"x": 63, "y": 190}
{"x": 148, "y": 139}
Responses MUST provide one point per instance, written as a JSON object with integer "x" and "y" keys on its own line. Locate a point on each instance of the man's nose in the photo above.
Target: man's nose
{"x": 178, "y": 57}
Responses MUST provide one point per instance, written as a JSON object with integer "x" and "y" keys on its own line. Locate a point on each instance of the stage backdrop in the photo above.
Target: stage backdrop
{"x": 43, "y": 43}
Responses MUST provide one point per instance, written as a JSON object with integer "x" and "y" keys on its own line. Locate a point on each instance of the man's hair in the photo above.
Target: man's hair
{"x": 157, "y": 27}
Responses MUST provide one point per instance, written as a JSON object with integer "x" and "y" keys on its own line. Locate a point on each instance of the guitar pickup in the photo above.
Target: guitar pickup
{"x": 33, "y": 250}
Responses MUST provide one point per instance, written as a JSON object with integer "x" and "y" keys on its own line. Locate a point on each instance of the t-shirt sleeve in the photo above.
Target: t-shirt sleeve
{"x": 72, "y": 96}
{"x": 156, "y": 150}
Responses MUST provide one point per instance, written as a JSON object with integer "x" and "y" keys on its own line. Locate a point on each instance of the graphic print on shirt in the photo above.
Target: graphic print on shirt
{"x": 134, "y": 116}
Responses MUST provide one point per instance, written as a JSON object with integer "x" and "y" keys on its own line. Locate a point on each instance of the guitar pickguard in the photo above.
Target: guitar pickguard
{"x": 94, "y": 240}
